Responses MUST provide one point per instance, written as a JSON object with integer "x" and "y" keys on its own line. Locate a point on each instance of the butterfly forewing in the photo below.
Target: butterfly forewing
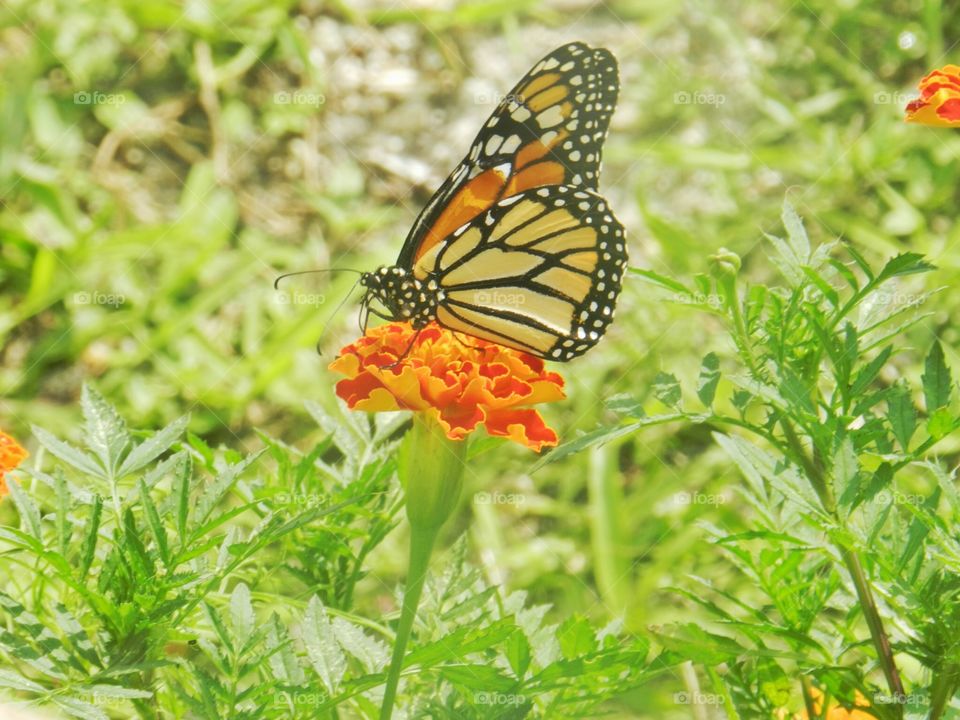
{"x": 539, "y": 271}
{"x": 548, "y": 131}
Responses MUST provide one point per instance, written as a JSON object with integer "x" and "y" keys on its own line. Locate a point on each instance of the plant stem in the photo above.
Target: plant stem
{"x": 881, "y": 642}
{"x": 944, "y": 685}
{"x": 422, "y": 540}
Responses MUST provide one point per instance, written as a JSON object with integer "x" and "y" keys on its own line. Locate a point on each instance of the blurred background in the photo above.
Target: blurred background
{"x": 162, "y": 162}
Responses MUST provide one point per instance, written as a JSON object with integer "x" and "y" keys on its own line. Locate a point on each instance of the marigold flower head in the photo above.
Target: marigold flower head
{"x": 460, "y": 383}
{"x": 939, "y": 101}
{"x": 11, "y": 455}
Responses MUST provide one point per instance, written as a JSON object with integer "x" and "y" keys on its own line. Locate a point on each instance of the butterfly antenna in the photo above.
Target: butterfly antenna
{"x": 276, "y": 283}
{"x": 336, "y": 310}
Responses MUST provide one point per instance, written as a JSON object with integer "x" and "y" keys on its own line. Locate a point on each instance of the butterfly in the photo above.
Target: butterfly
{"x": 516, "y": 246}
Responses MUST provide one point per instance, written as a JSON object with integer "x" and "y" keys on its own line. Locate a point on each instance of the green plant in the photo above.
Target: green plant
{"x": 849, "y": 549}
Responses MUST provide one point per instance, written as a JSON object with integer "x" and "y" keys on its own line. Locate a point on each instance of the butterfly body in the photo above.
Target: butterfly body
{"x": 517, "y": 247}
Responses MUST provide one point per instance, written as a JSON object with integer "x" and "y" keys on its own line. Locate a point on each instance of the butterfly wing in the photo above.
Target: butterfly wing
{"x": 539, "y": 271}
{"x": 549, "y": 130}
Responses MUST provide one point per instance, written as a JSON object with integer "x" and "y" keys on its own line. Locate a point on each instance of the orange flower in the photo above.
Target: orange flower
{"x": 11, "y": 455}
{"x": 458, "y": 383}
{"x": 939, "y": 101}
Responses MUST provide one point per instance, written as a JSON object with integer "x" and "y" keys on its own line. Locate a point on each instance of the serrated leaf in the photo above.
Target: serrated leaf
{"x": 482, "y": 678}
{"x": 576, "y": 637}
{"x": 10, "y": 679}
{"x": 936, "y": 379}
{"x": 153, "y": 521}
{"x": 901, "y": 414}
{"x": 242, "y": 617}
{"x": 27, "y": 509}
{"x": 151, "y": 448}
{"x": 321, "y": 645}
{"x": 846, "y": 467}
{"x": 68, "y": 453}
{"x": 517, "y": 651}
{"x": 942, "y": 423}
{"x": 796, "y": 233}
{"x": 666, "y": 388}
{"x": 90, "y": 540}
{"x": 105, "y": 432}
{"x": 709, "y": 379}
{"x": 283, "y": 661}
{"x": 868, "y": 373}
{"x": 903, "y": 264}
{"x": 371, "y": 653}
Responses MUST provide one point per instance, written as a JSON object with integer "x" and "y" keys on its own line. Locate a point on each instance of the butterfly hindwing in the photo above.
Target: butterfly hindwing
{"x": 549, "y": 130}
{"x": 539, "y": 271}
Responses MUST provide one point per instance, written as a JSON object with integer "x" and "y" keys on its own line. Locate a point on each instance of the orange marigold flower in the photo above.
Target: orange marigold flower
{"x": 459, "y": 383}
{"x": 11, "y": 455}
{"x": 939, "y": 101}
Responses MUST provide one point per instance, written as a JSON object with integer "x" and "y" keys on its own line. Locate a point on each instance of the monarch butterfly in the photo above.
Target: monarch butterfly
{"x": 517, "y": 247}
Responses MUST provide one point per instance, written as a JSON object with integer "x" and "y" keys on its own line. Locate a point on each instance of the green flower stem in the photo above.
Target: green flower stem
{"x": 431, "y": 470}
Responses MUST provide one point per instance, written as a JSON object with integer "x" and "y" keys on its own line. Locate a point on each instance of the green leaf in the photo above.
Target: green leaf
{"x": 661, "y": 280}
{"x": 866, "y": 376}
{"x": 68, "y": 453}
{"x": 518, "y": 653}
{"x": 846, "y": 466}
{"x": 371, "y": 653}
{"x": 461, "y": 642}
{"x": 901, "y": 414}
{"x": 796, "y": 233}
{"x": 153, "y": 520}
{"x": 283, "y": 661}
{"x": 666, "y": 388}
{"x": 105, "y": 431}
{"x": 576, "y": 637}
{"x": 936, "y": 379}
{"x": 27, "y": 509}
{"x": 151, "y": 448}
{"x": 10, "y": 679}
{"x": 90, "y": 541}
{"x": 242, "y": 618}
{"x": 321, "y": 645}
{"x": 904, "y": 264}
{"x": 942, "y": 423}
{"x": 484, "y": 678}
{"x": 709, "y": 379}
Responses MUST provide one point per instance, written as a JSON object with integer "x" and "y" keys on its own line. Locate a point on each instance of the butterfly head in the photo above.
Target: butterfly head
{"x": 403, "y": 296}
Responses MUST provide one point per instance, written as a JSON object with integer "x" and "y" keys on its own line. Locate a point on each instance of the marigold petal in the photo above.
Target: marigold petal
{"x": 523, "y": 425}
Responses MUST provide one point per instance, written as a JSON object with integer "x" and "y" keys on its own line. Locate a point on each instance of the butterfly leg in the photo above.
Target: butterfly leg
{"x": 405, "y": 352}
